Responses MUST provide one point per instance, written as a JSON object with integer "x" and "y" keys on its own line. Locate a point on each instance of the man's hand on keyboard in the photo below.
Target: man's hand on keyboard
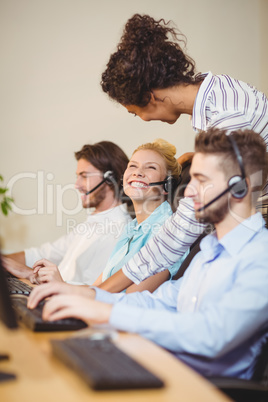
{"x": 17, "y": 268}
{"x": 76, "y": 306}
{"x": 55, "y": 288}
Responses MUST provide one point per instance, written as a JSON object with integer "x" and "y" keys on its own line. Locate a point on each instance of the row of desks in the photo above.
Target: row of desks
{"x": 41, "y": 377}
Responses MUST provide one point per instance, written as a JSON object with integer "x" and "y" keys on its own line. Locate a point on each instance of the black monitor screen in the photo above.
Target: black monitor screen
{"x": 7, "y": 314}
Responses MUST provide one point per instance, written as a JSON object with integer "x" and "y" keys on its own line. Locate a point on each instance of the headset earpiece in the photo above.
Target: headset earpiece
{"x": 167, "y": 184}
{"x": 108, "y": 177}
{"x": 238, "y": 187}
{"x": 170, "y": 183}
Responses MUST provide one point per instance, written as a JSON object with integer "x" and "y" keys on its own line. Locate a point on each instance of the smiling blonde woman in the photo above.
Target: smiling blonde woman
{"x": 150, "y": 180}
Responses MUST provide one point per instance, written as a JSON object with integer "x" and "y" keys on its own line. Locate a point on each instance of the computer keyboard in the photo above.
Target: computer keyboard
{"x": 32, "y": 318}
{"x": 18, "y": 287}
{"x": 102, "y": 365}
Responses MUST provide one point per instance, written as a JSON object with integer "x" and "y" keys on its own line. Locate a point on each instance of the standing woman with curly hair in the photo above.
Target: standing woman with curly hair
{"x": 153, "y": 78}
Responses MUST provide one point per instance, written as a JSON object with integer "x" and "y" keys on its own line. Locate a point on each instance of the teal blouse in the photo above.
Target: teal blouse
{"x": 135, "y": 236}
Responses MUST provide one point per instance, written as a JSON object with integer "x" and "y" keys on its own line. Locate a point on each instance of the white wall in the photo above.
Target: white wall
{"x": 52, "y": 55}
{"x": 263, "y": 26}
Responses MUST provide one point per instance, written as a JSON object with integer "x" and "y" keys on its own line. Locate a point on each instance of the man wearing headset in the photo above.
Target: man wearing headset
{"x": 215, "y": 317}
{"x": 82, "y": 254}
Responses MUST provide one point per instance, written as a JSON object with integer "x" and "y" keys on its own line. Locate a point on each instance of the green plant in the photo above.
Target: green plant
{"x": 5, "y": 201}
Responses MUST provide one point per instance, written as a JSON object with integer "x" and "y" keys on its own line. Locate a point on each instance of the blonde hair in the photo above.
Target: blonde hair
{"x": 167, "y": 151}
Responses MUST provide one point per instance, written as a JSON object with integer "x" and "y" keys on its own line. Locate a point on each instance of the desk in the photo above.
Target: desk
{"x": 41, "y": 377}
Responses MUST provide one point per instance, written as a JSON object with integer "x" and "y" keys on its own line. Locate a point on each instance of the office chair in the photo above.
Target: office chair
{"x": 262, "y": 206}
{"x": 254, "y": 390}
{"x": 185, "y": 161}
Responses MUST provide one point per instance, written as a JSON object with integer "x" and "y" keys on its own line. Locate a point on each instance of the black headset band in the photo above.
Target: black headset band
{"x": 238, "y": 156}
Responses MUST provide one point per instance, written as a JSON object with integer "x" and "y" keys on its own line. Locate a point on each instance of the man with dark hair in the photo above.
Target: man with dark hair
{"x": 82, "y": 254}
{"x": 215, "y": 317}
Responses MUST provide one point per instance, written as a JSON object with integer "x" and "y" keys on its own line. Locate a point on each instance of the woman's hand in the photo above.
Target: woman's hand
{"x": 45, "y": 271}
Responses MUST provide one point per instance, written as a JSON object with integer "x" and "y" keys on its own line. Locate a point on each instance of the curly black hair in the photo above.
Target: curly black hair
{"x": 146, "y": 59}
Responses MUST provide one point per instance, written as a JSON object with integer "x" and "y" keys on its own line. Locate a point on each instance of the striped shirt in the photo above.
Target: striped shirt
{"x": 223, "y": 102}
{"x": 230, "y": 104}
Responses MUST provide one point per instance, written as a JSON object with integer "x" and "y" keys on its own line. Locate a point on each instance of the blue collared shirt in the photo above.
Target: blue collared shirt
{"x": 214, "y": 318}
{"x": 135, "y": 236}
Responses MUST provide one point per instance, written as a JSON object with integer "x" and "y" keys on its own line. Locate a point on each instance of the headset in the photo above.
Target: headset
{"x": 169, "y": 184}
{"x": 108, "y": 177}
{"x": 237, "y": 185}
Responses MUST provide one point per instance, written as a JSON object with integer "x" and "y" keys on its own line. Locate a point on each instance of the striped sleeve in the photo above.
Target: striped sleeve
{"x": 238, "y": 105}
{"x": 168, "y": 246}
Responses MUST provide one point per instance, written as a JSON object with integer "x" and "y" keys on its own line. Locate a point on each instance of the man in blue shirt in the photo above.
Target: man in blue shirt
{"x": 214, "y": 318}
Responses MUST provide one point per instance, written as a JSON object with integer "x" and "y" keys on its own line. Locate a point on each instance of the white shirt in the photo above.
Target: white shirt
{"x": 82, "y": 254}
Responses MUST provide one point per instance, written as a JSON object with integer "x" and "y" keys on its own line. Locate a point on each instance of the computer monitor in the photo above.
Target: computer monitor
{"x": 7, "y": 316}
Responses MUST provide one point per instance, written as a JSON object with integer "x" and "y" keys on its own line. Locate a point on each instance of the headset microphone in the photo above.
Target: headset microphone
{"x": 235, "y": 184}
{"x": 169, "y": 184}
{"x": 166, "y": 184}
{"x": 157, "y": 183}
{"x": 107, "y": 177}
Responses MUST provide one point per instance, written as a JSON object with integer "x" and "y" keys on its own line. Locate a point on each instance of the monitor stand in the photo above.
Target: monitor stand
{"x": 5, "y": 376}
